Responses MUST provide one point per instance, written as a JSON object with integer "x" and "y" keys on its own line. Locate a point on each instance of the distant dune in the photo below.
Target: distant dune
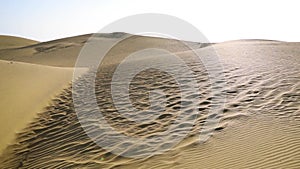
{"x": 14, "y": 42}
{"x": 258, "y": 128}
{"x": 64, "y": 52}
{"x": 253, "y": 40}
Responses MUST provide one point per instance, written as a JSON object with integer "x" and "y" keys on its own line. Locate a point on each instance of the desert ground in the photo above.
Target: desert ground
{"x": 258, "y": 123}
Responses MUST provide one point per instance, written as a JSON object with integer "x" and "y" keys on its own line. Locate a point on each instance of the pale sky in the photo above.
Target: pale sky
{"x": 218, "y": 20}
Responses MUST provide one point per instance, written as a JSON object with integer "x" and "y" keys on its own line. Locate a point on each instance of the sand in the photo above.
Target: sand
{"x": 258, "y": 127}
{"x": 26, "y": 89}
{"x": 7, "y": 42}
{"x": 59, "y": 53}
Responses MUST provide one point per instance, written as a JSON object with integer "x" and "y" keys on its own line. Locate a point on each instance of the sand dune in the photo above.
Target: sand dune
{"x": 60, "y": 53}
{"x": 25, "y": 90}
{"x": 258, "y": 127}
{"x": 14, "y": 42}
{"x": 64, "y": 52}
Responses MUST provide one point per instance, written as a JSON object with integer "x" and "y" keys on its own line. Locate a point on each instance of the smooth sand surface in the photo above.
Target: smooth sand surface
{"x": 7, "y": 42}
{"x": 258, "y": 127}
{"x": 25, "y": 90}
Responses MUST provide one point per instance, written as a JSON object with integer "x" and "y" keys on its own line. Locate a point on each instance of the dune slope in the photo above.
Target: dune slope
{"x": 14, "y": 42}
{"x": 25, "y": 90}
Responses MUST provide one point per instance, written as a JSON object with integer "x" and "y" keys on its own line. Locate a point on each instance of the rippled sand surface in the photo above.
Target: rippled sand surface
{"x": 258, "y": 125}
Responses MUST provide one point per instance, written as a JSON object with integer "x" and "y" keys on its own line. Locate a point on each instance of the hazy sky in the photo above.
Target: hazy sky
{"x": 218, "y": 20}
